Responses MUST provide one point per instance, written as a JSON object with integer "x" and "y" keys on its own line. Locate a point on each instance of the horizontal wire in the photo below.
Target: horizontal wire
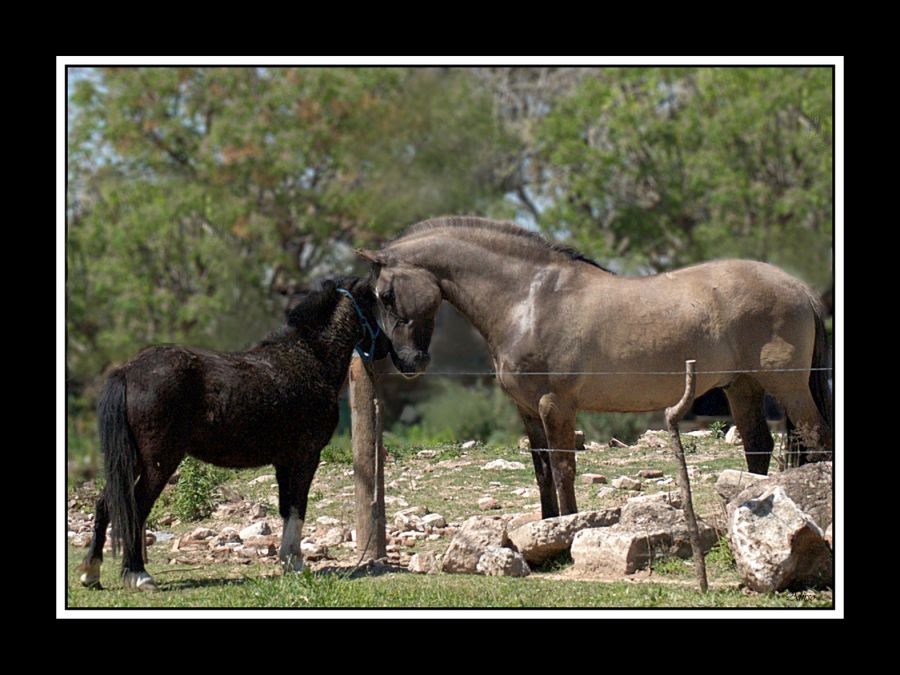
{"x": 613, "y": 372}
{"x": 786, "y": 452}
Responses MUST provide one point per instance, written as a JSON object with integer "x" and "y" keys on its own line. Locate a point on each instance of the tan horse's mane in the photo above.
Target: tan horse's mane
{"x": 496, "y": 230}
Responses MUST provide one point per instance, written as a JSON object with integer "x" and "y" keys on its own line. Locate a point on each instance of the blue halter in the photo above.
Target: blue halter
{"x": 367, "y": 328}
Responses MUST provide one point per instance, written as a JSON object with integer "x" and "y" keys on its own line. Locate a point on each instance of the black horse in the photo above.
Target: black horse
{"x": 276, "y": 403}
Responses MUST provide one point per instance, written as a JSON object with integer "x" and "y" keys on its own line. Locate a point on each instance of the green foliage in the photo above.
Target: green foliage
{"x": 720, "y": 554}
{"x": 454, "y": 412}
{"x": 718, "y": 429}
{"x": 195, "y": 492}
{"x": 660, "y": 167}
{"x": 339, "y": 450}
{"x": 196, "y": 193}
{"x": 673, "y": 566}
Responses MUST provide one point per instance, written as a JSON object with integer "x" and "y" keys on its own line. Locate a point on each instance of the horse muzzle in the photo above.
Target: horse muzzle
{"x": 410, "y": 362}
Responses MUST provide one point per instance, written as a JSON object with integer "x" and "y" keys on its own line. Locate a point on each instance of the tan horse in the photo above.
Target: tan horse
{"x": 566, "y": 335}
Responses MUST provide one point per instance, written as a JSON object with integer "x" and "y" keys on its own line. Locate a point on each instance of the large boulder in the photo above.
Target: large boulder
{"x": 475, "y": 537}
{"x": 502, "y": 562}
{"x": 647, "y": 530}
{"x": 777, "y": 545}
{"x": 541, "y": 540}
{"x": 732, "y": 481}
{"x": 808, "y": 486}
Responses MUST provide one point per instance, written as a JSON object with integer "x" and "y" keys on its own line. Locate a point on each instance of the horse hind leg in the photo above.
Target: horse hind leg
{"x": 809, "y": 435}
{"x": 542, "y": 470}
{"x": 146, "y": 491}
{"x": 559, "y": 426}
{"x": 90, "y": 566}
{"x": 745, "y": 398}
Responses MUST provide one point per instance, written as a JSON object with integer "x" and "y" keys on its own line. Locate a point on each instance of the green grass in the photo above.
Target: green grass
{"x": 245, "y": 587}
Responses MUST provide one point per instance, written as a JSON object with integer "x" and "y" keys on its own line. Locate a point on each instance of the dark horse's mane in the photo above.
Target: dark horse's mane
{"x": 310, "y": 308}
{"x": 504, "y": 227}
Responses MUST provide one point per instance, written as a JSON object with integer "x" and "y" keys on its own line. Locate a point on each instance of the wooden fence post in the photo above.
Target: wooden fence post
{"x": 673, "y": 416}
{"x": 368, "y": 460}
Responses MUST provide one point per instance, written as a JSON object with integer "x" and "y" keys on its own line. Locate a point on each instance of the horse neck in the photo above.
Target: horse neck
{"x": 336, "y": 342}
{"x": 332, "y": 346}
{"x": 484, "y": 285}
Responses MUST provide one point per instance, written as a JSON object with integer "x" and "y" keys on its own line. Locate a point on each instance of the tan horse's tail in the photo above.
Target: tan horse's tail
{"x": 818, "y": 379}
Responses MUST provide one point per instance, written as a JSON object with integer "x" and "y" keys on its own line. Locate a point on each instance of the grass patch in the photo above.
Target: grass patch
{"x": 246, "y": 587}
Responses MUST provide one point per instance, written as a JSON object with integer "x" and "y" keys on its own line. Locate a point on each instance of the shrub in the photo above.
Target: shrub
{"x": 196, "y": 490}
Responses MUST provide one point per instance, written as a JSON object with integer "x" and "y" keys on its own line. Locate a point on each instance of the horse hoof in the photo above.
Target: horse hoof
{"x": 91, "y": 581}
{"x": 139, "y": 581}
{"x": 292, "y": 564}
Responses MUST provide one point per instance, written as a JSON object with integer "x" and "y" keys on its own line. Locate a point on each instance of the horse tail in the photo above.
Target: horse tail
{"x": 120, "y": 457}
{"x": 818, "y": 379}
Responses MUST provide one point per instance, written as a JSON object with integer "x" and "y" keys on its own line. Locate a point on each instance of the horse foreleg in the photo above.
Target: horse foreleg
{"x": 542, "y": 470}
{"x": 293, "y": 491}
{"x": 90, "y": 566}
{"x": 559, "y": 427}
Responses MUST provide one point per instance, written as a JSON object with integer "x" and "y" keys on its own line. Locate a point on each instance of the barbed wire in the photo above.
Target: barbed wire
{"x": 471, "y": 373}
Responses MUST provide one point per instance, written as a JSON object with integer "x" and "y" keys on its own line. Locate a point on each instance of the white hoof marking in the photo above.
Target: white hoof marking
{"x": 292, "y": 534}
{"x": 139, "y": 581}
{"x": 91, "y": 576}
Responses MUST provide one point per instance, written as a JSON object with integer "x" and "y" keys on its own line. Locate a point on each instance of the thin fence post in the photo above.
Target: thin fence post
{"x": 368, "y": 460}
{"x": 673, "y": 416}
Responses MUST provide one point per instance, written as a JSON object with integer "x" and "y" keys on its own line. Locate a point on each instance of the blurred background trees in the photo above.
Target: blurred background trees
{"x": 198, "y": 196}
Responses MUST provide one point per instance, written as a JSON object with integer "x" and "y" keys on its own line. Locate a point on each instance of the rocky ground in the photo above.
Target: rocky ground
{"x": 431, "y": 493}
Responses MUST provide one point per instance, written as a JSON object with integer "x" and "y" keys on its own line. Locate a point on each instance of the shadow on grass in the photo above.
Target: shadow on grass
{"x": 372, "y": 569}
{"x": 186, "y": 584}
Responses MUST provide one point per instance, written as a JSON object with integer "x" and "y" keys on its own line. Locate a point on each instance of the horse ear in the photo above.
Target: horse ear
{"x": 373, "y": 257}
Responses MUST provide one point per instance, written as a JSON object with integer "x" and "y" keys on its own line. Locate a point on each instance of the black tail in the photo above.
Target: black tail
{"x": 120, "y": 456}
{"x": 818, "y": 379}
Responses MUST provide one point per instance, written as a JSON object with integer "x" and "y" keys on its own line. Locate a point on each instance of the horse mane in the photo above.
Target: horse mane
{"x": 309, "y": 309}
{"x": 495, "y": 226}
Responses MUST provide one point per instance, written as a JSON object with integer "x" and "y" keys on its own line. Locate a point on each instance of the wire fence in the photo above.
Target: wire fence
{"x": 492, "y": 373}
{"x": 785, "y": 452}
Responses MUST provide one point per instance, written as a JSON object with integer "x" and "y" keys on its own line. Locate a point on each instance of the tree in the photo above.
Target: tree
{"x": 196, "y": 194}
{"x": 660, "y": 167}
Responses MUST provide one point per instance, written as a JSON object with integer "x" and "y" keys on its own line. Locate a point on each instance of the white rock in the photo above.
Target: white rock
{"x": 488, "y": 503}
{"x": 502, "y": 562}
{"x": 265, "y": 478}
{"x": 626, "y": 547}
{"x": 434, "y": 520}
{"x": 626, "y": 483}
{"x": 731, "y": 481}
{"x": 476, "y": 536}
{"x": 778, "y": 546}
{"x": 468, "y": 444}
{"x": 259, "y": 529}
{"x": 593, "y": 478}
{"x": 733, "y": 436}
{"x": 334, "y": 537}
{"x": 541, "y": 540}
{"x": 503, "y": 465}
{"x": 668, "y": 499}
{"x": 422, "y": 563}
{"x": 700, "y": 433}
{"x": 427, "y": 454}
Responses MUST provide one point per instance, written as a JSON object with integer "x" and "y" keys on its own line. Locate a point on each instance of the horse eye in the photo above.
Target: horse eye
{"x": 387, "y": 297}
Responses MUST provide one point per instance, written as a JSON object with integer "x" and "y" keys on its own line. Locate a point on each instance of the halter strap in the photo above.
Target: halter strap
{"x": 367, "y": 329}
